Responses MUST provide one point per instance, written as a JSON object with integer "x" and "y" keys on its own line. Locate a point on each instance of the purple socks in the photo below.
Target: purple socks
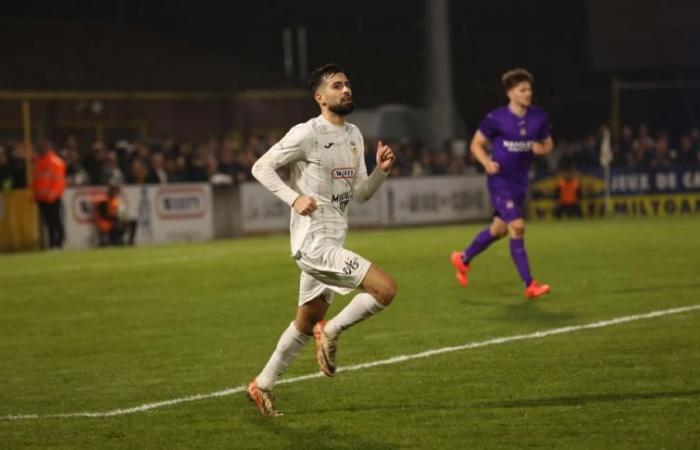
{"x": 478, "y": 245}
{"x": 519, "y": 255}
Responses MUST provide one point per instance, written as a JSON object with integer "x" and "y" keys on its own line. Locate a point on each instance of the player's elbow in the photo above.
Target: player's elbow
{"x": 477, "y": 148}
{"x": 258, "y": 169}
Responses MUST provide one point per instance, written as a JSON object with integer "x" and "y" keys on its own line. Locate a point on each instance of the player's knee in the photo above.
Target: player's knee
{"x": 499, "y": 232}
{"x": 516, "y": 230}
{"x": 386, "y": 291}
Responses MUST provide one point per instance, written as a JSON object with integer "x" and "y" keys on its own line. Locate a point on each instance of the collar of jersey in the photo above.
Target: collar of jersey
{"x": 332, "y": 126}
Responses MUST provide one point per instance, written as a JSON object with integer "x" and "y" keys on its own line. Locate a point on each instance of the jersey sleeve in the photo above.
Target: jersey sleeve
{"x": 366, "y": 185}
{"x": 292, "y": 147}
{"x": 489, "y": 127}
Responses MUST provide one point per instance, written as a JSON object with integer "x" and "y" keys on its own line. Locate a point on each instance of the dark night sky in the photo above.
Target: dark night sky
{"x": 381, "y": 44}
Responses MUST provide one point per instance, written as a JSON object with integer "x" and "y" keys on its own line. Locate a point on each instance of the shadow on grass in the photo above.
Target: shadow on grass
{"x": 580, "y": 400}
{"x": 317, "y": 436}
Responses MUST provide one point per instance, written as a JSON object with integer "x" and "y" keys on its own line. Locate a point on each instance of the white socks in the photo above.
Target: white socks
{"x": 289, "y": 345}
{"x": 362, "y": 306}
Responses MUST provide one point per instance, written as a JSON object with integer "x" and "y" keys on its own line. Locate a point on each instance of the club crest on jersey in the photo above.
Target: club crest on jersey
{"x": 523, "y": 132}
{"x": 344, "y": 173}
{"x": 353, "y": 147}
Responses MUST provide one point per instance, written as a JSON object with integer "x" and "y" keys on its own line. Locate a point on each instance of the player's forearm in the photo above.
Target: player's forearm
{"x": 365, "y": 188}
{"x": 265, "y": 173}
{"x": 480, "y": 154}
{"x": 547, "y": 146}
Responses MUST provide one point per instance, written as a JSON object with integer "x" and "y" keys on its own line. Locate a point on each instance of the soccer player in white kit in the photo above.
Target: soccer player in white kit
{"x": 326, "y": 157}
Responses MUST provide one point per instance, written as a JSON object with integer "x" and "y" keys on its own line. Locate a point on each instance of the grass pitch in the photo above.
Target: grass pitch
{"x": 103, "y": 330}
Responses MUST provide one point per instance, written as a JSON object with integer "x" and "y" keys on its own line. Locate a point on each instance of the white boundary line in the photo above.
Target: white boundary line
{"x": 383, "y": 362}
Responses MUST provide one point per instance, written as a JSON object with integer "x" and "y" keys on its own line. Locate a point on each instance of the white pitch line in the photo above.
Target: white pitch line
{"x": 383, "y": 362}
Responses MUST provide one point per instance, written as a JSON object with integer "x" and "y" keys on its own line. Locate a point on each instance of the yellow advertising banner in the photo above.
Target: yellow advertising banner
{"x": 19, "y": 221}
{"x": 653, "y": 205}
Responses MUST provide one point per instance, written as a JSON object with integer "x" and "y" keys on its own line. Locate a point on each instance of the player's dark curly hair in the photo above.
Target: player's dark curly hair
{"x": 514, "y": 77}
{"x": 318, "y": 75}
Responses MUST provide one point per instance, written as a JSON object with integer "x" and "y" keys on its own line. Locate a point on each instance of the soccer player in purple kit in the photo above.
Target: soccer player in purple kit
{"x": 516, "y": 133}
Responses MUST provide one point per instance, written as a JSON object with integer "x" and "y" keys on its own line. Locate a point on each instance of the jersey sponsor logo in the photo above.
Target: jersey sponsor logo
{"x": 351, "y": 264}
{"x": 344, "y": 172}
{"x": 518, "y": 146}
{"x": 342, "y": 199}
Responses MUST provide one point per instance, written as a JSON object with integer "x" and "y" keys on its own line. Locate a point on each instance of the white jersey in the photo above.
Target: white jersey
{"x": 327, "y": 163}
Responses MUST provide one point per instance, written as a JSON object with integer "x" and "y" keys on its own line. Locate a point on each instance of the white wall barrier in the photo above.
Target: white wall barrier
{"x": 426, "y": 200}
{"x": 184, "y": 212}
{"x": 167, "y": 213}
{"x": 401, "y": 201}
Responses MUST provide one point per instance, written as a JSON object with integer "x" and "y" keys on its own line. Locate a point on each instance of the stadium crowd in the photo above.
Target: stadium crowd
{"x": 229, "y": 160}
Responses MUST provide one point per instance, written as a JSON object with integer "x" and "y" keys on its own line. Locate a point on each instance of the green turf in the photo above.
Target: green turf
{"x": 107, "y": 329}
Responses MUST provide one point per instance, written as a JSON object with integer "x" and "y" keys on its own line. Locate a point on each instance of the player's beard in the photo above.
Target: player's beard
{"x": 342, "y": 109}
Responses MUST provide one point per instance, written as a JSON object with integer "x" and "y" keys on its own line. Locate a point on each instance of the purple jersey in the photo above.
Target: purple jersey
{"x": 511, "y": 137}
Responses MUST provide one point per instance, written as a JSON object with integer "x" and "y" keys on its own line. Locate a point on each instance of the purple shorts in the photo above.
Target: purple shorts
{"x": 507, "y": 205}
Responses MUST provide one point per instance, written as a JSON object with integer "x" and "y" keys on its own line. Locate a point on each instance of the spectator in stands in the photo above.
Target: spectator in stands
{"x": 685, "y": 150}
{"x": 94, "y": 161}
{"x": 141, "y": 151}
{"x": 588, "y": 154}
{"x": 640, "y": 156}
{"x": 110, "y": 173}
{"x": 695, "y": 139}
{"x": 456, "y": 165}
{"x": 441, "y": 163}
{"x": 424, "y": 164}
{"x": 404, "y": 160}
{"x": 19, "y": 166}
{"x": 111, "y": 219}
{"x": 76, "y": 175}
{"x": 138, "y": 172}
{"x": 661, "y": 158}
{"x": 197, "y": 171}
{"x": 177, "y": 169}
{"x": 157, "y": 173}
{"x": 626, "y": 141}
{"x": 5, "y": 170}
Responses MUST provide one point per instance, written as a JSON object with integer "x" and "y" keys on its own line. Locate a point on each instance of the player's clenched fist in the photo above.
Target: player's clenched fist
{"x": 304, "y": 205}
{"x": 491, "y": 167}
{"x": 385, "y": 156}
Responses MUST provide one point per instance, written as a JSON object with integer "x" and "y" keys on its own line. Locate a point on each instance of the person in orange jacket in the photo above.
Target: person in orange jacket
{"x": 48, "y": 184}
{"x": 568, "y": 194}
{"x": 111, "y": 220}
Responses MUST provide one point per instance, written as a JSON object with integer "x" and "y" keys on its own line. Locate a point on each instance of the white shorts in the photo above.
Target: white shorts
{"x": 329, "y": 269}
